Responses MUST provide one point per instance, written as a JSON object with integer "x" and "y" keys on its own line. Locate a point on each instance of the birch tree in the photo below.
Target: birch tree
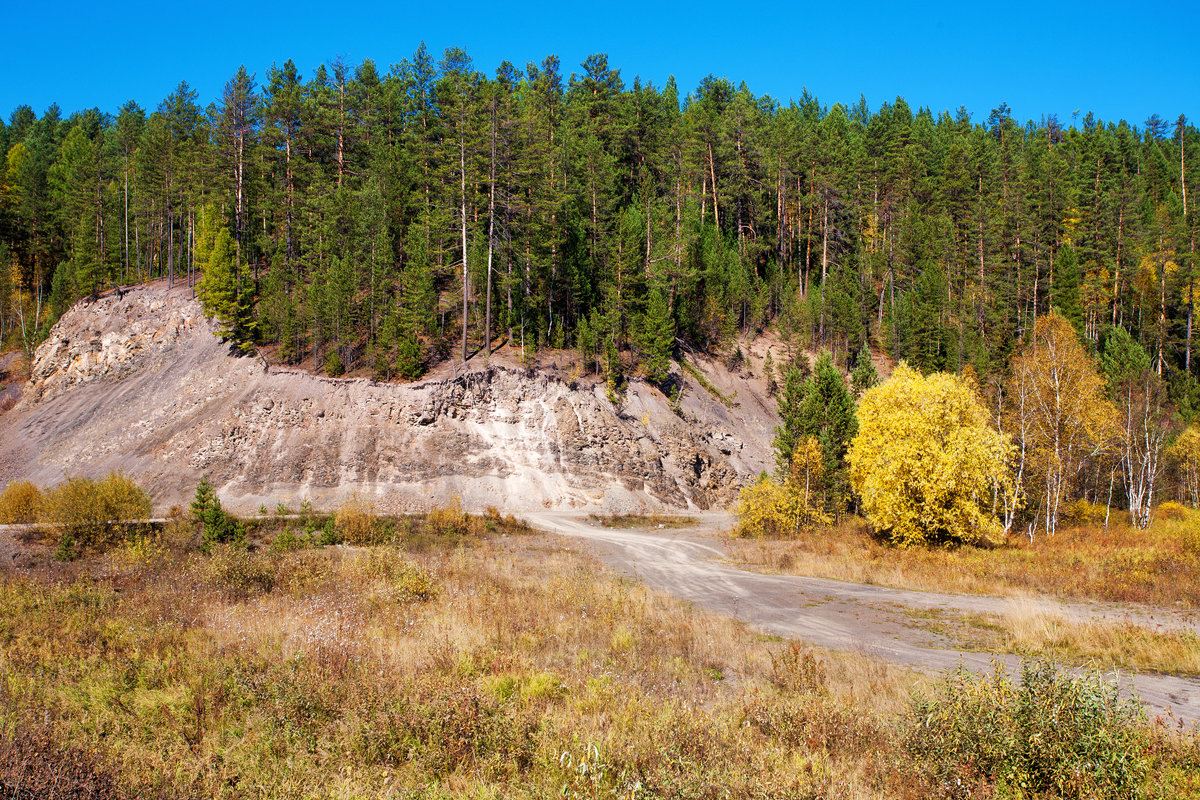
{"x": 1070, "y": 420}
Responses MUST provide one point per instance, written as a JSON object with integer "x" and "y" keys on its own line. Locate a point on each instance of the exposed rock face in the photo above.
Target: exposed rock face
{"x": 140, "y": 383}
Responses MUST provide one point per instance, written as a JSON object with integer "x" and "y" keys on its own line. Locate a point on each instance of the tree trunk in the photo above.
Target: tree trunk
{"x": 712, "y": 171}
{"x": 487, "y": 333}
{"x": 462, "y": 164}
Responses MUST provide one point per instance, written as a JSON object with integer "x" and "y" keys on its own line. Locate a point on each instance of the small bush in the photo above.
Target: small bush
{"x": 94, "y": 514}
{"x": 770, "y": 508}
{"x": 1051, "y": 733}
{"x": 798, "y": 669}
{"x": 1172, "y": 511}
{"x": 287, "y": 540}
{"x": 403, "y": 580}
{"x": 214, "y": 525}
{"x": 238, "y": 573}
{"x": 20, "y": 504}
{"x": 356, "y": 523}
{"x": 451, "y": 520}
{"x": 1081, "y": 512}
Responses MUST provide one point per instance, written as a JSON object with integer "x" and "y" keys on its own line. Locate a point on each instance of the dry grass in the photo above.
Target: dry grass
{"x": 1029, "y": 629}
{"x": 1160, "y": 566}
{"x": 462, "y": 671}
{"x": 479, "y": 667}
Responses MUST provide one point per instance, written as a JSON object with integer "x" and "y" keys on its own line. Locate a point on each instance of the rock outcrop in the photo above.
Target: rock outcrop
{"x": 141, "y": 383}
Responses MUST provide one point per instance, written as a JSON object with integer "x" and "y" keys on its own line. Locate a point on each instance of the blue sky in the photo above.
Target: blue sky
{"x": 1121, "y": 60}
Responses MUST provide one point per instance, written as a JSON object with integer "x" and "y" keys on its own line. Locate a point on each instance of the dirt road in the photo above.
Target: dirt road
{"x": 688, "y": 563}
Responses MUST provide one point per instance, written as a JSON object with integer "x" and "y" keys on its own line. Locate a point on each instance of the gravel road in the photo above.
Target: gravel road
{"x": 689, "y": 563}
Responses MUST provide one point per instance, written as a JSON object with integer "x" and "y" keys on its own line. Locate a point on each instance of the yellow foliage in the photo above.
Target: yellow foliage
{"x": 1172, "y": 510}
{"x": 770, "y": 508}
{"x": 1186, "y": 453}
{"x": 357, "y": 523}
{"x": 89, "y": 509}
{"x": 20, "y": 503}
{"x": 1058, "y": 409}
{"x": 451, "y": 520}
{"x": 1081, "y": 512}
{"x": 926, "y": 460}
{"x": 807, "y": 475}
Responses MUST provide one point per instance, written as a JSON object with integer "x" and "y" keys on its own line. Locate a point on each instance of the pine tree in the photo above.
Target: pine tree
{"x": 220, "y": 295}
{"x": 210, "y": 519}
{"x": 864, "y": 375}
{"x": 657, "y": 338}
{"x": 769, "y": 374}
{"x": 791, "y": 432}
{"x": 827, "y": 413}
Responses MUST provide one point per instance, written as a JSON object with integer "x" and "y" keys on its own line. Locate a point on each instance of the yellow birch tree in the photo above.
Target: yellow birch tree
{"x": 926, "y": 462}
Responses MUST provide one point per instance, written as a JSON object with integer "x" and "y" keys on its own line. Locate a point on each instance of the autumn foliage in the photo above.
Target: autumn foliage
{"x": 786, "y": 508}
{"x": 926, "y": 462}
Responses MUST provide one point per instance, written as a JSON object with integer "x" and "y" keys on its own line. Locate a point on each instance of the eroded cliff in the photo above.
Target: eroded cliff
{"x": 139, "y": 382}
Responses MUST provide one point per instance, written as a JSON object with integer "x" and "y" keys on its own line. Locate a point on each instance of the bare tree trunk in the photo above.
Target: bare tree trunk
{"x": 712, "y": 171}
{"x": 125, "y": 274}
{"x": 462, "y": 164}
{"x": 487, "y": 334}
{"x": 170, "y": 246}
{"x": 1117, "y": 263}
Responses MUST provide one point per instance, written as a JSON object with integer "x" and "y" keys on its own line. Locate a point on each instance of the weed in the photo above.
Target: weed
{"x": 356, "y": 523}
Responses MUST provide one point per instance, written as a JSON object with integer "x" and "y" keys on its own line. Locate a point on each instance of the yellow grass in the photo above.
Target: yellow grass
{"x": 1160, "y": 566}
{"x": 1028, "y": 628}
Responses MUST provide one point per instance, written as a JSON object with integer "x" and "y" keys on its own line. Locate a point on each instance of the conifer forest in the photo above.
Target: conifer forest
{"x": 380, "y": 222}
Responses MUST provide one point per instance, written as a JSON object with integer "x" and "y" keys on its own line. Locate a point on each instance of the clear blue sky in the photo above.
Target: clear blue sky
{"x": 1121, "y": 60}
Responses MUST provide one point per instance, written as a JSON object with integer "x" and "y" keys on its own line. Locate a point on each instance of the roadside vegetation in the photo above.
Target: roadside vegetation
{"x": 643, "y": 520}
{"x": 463, "y": 656}
{"x": 1050, "y": 479}
{"x": 1159, "y": 566}
{"x": 1028, "y": 628}
{"x": 79, "y": 513}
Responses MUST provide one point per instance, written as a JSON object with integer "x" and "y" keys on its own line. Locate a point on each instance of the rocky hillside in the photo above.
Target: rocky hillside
{"x": 139, "y": 383}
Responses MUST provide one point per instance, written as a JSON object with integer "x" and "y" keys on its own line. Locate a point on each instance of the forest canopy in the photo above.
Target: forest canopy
{"x": 362, "y": 219}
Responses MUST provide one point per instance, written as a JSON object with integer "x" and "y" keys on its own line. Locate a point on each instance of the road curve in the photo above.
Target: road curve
{"x": 689, "y": 564}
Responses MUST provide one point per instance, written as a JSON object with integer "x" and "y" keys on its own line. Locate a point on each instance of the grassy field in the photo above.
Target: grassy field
{"x": 1160, "y": 566}
{"x": 472, "y": 658}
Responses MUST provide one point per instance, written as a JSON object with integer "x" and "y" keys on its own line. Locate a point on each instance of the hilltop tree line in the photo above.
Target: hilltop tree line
{"x": 388, "y": 220}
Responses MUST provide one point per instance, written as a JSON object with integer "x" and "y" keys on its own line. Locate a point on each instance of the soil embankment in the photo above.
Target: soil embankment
{"x": 139, "y": 382}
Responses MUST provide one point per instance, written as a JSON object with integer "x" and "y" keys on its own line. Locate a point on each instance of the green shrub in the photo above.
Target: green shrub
{"x": 1051, "y": 734}
{"x": 287, "y": 540}
{"x": 214, "y": 525}
{"x": 329, "y": 534}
